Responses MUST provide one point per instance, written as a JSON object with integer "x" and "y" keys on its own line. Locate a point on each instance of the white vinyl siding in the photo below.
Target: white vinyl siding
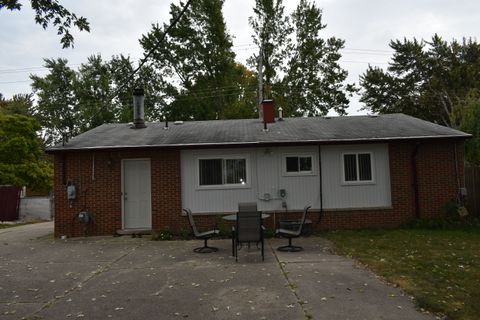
{"x": 341, "y": 193}
{"x": 357, "y": 167}
{"x": 266, "y": 175}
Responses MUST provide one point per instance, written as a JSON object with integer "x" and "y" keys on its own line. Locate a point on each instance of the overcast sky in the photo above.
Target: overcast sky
{"x": 367, "y": 26}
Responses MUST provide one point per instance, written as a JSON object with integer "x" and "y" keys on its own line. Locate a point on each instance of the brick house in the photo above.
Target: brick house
{"x": 355, "y": 172}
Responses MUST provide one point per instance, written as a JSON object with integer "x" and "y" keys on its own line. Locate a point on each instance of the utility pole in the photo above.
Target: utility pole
{"x": 260, "y": 83}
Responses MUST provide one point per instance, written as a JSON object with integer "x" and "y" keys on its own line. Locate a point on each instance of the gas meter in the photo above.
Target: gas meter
{"x": 84, "y": 217}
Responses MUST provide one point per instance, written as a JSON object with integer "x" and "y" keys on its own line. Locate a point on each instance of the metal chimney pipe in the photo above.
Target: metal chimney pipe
{"x": 138, "y": 108}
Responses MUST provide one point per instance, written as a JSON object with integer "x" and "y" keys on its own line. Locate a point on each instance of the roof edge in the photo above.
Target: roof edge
{"x": 53, "y": 150}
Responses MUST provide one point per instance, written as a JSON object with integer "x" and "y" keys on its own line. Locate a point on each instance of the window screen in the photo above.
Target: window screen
{"x": 357, "y": 167}
{"x": 222, "y": 171}
{"x": 364, "y": 167}
{"x": 299, "y": 164}
{"x": 292, "y": 164}
{"x": 350, "y": 167}
{"x": 305, "y": 163}
{"x": 210, "y": 172}
{"x": 236, "y": 171}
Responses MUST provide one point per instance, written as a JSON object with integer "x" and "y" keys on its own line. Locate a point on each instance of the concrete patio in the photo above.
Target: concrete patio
{"x": 136, "y": 278}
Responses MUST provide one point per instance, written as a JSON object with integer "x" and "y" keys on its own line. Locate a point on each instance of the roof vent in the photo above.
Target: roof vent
{"x": 280, "y": 114}
{"x": 138, "y": 108}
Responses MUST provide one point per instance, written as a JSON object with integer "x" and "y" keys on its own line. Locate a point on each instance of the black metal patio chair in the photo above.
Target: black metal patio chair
{"x": 293, "y": 234}
{"x": 201, "y": 235}
{"x": 248, "y": 229}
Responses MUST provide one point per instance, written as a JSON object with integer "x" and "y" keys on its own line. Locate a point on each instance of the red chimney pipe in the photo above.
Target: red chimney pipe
{"x": 268, "y": 111}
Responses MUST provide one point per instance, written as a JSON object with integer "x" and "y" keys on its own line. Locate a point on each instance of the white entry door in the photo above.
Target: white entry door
{"x": 137, "y": 205}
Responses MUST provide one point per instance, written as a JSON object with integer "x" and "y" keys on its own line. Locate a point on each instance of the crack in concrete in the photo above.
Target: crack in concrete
{"x": 291, "y": 285}
{"x": 80, "y": 284}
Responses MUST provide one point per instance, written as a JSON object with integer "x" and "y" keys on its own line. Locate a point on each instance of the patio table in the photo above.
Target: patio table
{"x": 233, "y": 217}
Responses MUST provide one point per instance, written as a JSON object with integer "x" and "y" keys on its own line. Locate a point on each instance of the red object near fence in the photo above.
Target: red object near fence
{"x": 9, "y": 203}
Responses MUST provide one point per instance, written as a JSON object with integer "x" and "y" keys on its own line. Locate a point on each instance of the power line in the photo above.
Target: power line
{"x": 144, "y": 60}
{"x": 241, "y": 47}
{"x": 20, "y": 81}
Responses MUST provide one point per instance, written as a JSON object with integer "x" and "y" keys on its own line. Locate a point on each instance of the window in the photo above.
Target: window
{"x": 357, "y": 167}
{"x": 219, "y": 171}
{"x": 298, "y": 164}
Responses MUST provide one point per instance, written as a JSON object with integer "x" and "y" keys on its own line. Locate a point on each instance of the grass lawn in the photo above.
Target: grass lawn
{"x": 439, "y": 267}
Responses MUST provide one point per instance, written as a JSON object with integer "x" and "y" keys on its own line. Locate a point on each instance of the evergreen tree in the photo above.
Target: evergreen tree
{"x": 424, "y": 79}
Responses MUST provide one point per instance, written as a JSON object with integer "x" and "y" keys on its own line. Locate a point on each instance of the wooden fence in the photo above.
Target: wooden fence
{"x": 472, "y": 183}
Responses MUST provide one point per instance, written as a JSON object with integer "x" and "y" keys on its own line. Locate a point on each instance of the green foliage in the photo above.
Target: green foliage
{"x": 269, "y": 233}
{"x": 21, "y": 161}
{"x": 57, "y": 109}
{"x": 198, "y": 52}
{"x": 20, "y": 104}
{"x": 225, "y": 230}
{"x": 469, "y": 222}
{"x": 467, "y": 115}
{"x": 185, "y": 234}
{"x": 271, "y": 29}
{"x": 71, "y": 102}
{"x": 303, "y": 75}
{"x": 440, "y": 268}
{"x": 51, "y": 12}
{"x": 424, "y": 79}
{"x": 314, "y": 81}
{"x": 162, "y": 235}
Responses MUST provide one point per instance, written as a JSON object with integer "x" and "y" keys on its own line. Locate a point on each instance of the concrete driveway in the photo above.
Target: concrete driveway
{"x": 132, "y": 278}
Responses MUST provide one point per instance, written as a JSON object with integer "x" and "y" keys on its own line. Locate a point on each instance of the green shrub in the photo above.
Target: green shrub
{"x": 185, "y": 234}
{"x": 162, "y": 235}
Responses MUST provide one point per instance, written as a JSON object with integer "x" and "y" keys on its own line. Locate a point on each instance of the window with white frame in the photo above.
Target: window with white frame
{"x": 357, "y": 167}
{"x": 302, "y": 164}
{"x": 222, "y": 171}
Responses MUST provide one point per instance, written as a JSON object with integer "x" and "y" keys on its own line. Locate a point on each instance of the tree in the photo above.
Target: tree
{"x": 57, "y": 109}
{"x": 51, "y": 12}
{"x": 70, "y": 102}
{"x": 21, "y": 161}
{"x": 197, "y": 53}
{"x": 271, "y": 29}
{"x": 424, "y": 79}
{"x": 19, "y": 104}
{"x": 314, "y": 81}
{"x": 467, "y": 115}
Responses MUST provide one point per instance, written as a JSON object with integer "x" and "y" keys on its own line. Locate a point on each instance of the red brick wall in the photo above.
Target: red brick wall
{"x": 102, "y": 196}
{"x": 437, "y": 184}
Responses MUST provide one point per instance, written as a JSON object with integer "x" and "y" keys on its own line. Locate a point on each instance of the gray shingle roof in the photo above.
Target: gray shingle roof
{"x": 250, "y": 132}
